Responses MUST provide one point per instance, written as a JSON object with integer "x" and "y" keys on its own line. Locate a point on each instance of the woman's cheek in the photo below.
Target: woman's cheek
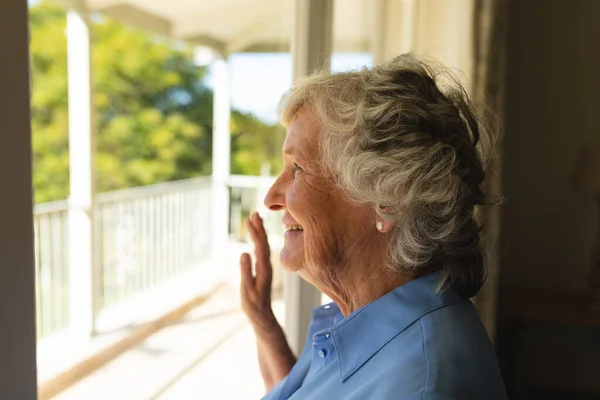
{"x": 297, "y": 197}
{"x": 290, "y": 201}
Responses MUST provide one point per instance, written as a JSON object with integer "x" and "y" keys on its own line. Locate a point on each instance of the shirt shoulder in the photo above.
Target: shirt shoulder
{"x": 413, "y": 343}
{"x": 445, "y": 354}
{"x": 461, "y": 361}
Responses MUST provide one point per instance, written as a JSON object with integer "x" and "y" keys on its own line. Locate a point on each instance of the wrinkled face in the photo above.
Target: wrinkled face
{"x": 323, "y": 228}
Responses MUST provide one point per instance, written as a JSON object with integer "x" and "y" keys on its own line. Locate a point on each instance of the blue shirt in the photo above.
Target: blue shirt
{"x": 412, "y": 343}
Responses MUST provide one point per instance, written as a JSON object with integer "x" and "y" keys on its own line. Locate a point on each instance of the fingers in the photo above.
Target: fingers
{"x": 260, "y": 227}
{"x": 264, "y": 270}
{"x": 254, "y": 222}
{"x": 259, "y": 237}
{"x": 246, "y": 270}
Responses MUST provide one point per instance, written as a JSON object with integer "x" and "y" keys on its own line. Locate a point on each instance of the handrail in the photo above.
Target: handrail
{"x": 151, "y": 190}
{"x": 239, "y": 181}
{"x": 250, "y": 181}
{"x": 51, "y": 207}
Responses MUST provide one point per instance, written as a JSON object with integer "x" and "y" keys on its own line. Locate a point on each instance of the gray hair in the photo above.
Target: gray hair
{"x": 404, "y": 138}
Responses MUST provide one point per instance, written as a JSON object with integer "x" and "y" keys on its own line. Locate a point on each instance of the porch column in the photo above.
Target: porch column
{"x": 18, "y": 378}
{"x": 221, "y": 149}
{"x": 311, "y": 50}
{"x": 392, "y": 28}
{"x": 81, "y": 168}
{"x": 444, "y": 30}
{"x": 377, "y": 32}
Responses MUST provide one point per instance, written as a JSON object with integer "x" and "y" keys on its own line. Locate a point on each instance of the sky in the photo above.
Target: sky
{"x": 259, "y": 79}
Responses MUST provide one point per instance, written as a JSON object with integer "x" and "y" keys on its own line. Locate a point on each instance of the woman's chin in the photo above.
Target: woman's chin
{"x": 290, "y": 259}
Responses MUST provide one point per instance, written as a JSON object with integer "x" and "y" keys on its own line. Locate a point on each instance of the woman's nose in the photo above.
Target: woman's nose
{"x": 275, "y": 198}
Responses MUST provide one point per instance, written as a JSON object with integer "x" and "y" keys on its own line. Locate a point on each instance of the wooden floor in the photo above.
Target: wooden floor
{"x": 209, "y": 354}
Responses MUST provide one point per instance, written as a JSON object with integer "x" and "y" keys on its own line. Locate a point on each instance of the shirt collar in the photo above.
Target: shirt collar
{"x": 364, "y": 332}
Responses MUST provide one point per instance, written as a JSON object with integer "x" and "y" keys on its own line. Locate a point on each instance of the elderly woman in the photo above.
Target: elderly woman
{"x": 381, "y": 179}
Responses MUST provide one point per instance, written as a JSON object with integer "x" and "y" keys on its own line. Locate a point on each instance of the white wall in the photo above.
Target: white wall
{"x": 553, "y": 110}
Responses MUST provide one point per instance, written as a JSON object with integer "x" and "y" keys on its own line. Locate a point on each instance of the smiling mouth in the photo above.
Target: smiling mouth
{"x": 294, "y": 227}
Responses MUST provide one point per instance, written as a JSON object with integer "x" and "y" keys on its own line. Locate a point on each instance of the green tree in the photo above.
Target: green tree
{"x": 253, "y": 142}
{"x": 49, "y": 102}
{"x": 153, "y": 112}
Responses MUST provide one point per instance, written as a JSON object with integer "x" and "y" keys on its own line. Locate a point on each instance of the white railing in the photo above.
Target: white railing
{"x": 50, "y": 226}
{"x": 148, "y": 235}
{"x": 143, "y": 237}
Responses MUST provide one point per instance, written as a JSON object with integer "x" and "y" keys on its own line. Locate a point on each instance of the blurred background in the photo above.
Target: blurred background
{"x": 154, "y": 135}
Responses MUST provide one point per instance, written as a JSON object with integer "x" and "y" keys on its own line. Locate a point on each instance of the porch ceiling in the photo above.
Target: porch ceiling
{"x": 230, "y": 26}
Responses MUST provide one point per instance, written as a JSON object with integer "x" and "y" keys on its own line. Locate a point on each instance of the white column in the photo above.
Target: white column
{"x": 81, "y": 158}
{"x": 221, "y": 161}
{"x": 408, "y": 21}
{"x": 311, "y": 49}
{"x": 392, "y": 28}
{"x": 18, "y": 378}
{"x": 444, "y": 30}
{"x": 377, "y": 37}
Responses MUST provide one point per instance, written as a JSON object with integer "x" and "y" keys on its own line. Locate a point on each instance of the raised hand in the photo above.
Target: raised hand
{"x": 256, "y": 287}
{"x": 274, "y": 354}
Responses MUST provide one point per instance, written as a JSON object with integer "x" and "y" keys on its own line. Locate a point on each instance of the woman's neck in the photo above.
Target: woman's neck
{"x": 359, "y": 286}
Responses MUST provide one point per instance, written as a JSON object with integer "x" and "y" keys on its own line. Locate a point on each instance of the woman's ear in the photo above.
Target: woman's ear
{"x": 383, "y": 225}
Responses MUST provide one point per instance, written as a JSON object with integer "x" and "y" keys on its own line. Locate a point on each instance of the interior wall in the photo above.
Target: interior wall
{"x": 553, "y": 109}
{"x": 17, "y": 313}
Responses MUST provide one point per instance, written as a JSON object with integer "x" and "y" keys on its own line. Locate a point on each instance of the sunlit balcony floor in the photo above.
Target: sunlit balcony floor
{"x": 209, "y": 354}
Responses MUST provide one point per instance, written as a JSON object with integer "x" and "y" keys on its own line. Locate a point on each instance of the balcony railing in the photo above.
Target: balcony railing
{"x": 51, "y": 267}
{"x": 148, "y": 235}
{"x": 143, "y": 237}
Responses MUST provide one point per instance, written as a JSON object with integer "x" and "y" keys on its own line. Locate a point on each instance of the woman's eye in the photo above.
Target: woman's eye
{"x": 297, "y": 168}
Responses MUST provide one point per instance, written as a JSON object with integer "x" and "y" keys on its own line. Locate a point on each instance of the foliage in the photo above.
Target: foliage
{"x": 153, "y": 112}
{"x": 253, "y": 143}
